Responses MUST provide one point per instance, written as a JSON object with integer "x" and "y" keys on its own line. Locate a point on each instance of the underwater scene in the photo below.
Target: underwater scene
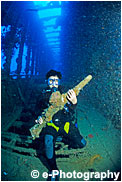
{"x": 61, "y": 90}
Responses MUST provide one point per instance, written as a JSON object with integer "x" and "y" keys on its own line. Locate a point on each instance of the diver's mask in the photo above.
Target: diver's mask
{"x": 54, "y": 82}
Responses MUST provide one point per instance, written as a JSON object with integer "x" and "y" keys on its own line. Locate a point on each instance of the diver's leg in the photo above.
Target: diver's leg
{"x": 45, "y": 149}
{"x": 49, "y": 141}
{"x": 49, "y": 151}
{"x": 74, "y": 137}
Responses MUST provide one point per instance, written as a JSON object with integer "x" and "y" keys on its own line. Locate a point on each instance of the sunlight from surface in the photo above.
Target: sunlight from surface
{"x": 41, "y": 3}
{"x": 52, "y": 35}
{"x": 50, "y": 22}
{"x": 51, "y": 29}
{"x": 48, "y": 12}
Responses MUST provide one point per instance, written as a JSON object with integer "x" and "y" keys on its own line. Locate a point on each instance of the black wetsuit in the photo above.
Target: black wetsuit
{"x": 49, "y": 134}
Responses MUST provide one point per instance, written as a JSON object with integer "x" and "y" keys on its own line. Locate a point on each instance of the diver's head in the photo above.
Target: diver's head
{"x": 53, "y": 79}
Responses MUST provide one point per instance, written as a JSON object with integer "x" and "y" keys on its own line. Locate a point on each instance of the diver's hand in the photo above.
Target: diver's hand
{"x": 39, "y": 120}
{"x": 71, "y": 96}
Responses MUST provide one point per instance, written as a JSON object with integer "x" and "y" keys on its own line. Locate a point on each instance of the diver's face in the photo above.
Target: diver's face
{"x": 53, "y": 81}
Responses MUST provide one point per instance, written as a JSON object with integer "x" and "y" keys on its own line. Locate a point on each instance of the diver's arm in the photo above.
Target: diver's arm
{"x": 72, "y": 100}
{"x": 39, "y": 120}
{"x": 71, "y": 106}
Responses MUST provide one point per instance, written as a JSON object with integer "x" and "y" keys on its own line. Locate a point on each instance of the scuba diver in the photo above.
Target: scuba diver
{"x": 62, "y": 125}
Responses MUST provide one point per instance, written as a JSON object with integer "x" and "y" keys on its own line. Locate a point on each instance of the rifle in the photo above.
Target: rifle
{"x": 57, "y": 102}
